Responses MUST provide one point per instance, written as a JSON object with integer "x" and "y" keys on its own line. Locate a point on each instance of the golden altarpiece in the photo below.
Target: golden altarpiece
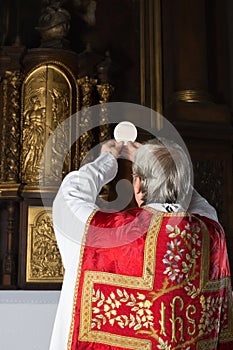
{"x": 41, "y": 88}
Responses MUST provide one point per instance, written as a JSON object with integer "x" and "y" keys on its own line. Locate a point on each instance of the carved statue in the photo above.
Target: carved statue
{"x": 33, "y": 140}
{"x": 60, "y": 111}
{"x": 54, "y": 23}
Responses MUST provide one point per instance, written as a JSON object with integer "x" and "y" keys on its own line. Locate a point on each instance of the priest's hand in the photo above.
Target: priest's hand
{"x": 113, "y": 147}
{"x": 128, "y": 151}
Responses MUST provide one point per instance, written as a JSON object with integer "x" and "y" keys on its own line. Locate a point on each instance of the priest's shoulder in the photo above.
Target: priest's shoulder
{"x": 101, "y": 217}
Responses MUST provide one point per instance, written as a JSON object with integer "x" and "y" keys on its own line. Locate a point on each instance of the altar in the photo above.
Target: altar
{"x": 26, "y": 319}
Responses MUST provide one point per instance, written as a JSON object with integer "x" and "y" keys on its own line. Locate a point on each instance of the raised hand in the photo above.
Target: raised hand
{"x": 128, "y": 151}
{"x": 113, "y": 147}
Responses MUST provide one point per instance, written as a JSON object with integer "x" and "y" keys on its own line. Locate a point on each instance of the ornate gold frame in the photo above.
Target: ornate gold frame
{"x": 34, "y": 83}
{"x": 42, "y": 267}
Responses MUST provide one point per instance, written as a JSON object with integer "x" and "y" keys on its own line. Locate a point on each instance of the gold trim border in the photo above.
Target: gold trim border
{"x": 118, "y": 340}
{"x": 70, "y": 336}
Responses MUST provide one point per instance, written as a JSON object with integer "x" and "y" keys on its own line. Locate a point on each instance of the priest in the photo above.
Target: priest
{"x": 152, "y": 277}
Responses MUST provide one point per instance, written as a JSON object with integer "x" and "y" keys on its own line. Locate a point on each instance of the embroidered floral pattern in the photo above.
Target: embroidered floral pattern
{"x": 165, "y": 346}
{"x": 107, "y": 309}
{"x": 192, "y": 291}
{"x": 211, "y": 308}
{"x": 176, "y": 270}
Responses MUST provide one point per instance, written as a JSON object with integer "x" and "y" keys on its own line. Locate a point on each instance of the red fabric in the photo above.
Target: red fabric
{"x": 176, "y": 308}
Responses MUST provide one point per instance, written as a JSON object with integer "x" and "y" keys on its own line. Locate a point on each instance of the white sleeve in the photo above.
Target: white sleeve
{"x": 76, "y": 198}
{"x": 200, "y": 205}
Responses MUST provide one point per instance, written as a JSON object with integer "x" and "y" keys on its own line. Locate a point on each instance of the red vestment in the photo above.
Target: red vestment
{"x": 152, "y": 280}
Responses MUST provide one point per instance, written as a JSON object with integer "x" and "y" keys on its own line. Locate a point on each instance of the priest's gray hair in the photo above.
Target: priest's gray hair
{"x": 165, "y": 172}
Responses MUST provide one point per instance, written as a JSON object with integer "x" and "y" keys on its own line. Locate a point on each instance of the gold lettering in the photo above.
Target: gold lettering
{"x": 162, "y": 321}
{"x": 176, "y": 319}
{"x": 193, "y": 310}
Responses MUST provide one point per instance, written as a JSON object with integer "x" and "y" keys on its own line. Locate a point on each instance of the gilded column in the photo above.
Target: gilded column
{"x": 9, "y": 259}
{"x": 13, "y": 127}
{"x": 4, "y": 134}
{"x": 86, "y": 139}
{"x": 10, "y": 145}
{"x": 105, "y": 92}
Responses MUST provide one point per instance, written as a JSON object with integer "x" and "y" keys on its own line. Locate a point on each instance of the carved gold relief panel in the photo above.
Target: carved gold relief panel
{"x": 46, "y": 103}
{"x": 43, "y": 262}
